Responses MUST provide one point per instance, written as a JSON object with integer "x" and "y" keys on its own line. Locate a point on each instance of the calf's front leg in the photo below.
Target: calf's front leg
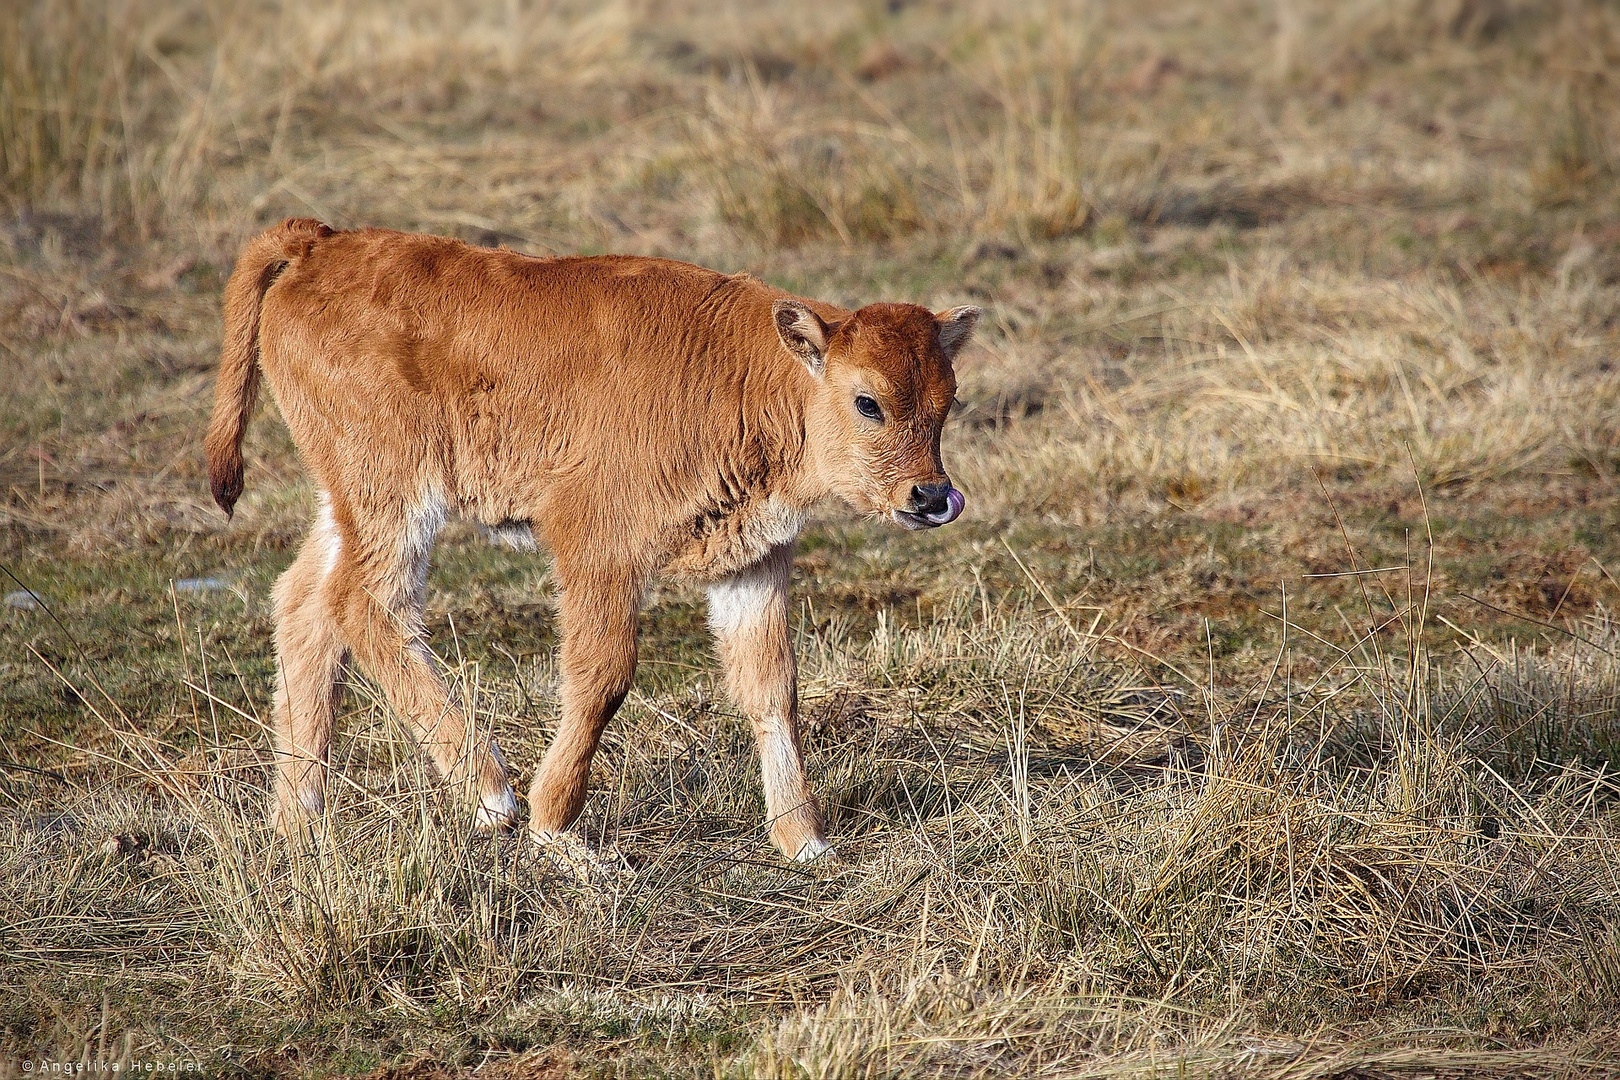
{"x": 597, "y": 658}
{"x": 749, "y": 616}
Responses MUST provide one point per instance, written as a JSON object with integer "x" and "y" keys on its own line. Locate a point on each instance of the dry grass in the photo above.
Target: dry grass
{"x": 1047, "y": 870}
{"x": 1261, "y": 720}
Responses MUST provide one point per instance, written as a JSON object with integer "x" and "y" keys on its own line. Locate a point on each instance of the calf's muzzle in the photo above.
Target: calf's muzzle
{"x": 932, "y": 505}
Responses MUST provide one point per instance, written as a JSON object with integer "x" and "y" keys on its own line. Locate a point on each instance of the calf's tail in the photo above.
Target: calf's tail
{"x": 263, "y": 259}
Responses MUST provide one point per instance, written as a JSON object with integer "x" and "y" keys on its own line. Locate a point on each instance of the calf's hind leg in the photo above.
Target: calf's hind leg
{"x": 309, "y": 656}
{"x": 377, "y": 586}
{"x": 749, "y": 616}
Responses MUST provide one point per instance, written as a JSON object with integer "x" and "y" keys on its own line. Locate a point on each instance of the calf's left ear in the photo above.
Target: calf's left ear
{"x": 955, "y": 327}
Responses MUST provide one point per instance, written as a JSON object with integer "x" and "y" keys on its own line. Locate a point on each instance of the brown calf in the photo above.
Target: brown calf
{"x": 638, "y": 416}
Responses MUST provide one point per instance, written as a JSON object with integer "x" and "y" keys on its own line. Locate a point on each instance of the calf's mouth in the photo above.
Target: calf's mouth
{"x": 911, "y": 519}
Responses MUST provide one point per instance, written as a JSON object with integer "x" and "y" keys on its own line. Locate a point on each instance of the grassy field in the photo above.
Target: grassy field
{"x": 1259, "y": 719}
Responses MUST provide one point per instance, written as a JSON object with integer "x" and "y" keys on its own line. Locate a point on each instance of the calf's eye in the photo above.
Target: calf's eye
{"x": 868, "y": 408}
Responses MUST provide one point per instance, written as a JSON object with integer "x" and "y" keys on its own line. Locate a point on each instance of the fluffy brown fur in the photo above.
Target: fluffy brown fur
{"x": 638, "y": 416}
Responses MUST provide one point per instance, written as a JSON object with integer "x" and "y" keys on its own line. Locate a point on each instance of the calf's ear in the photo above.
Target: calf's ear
{"x": 955, "y": 327}
{"x": 802, "y": 333}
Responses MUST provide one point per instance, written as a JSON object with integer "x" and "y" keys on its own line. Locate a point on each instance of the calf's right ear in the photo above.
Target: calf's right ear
{"x": 803, "y": 333}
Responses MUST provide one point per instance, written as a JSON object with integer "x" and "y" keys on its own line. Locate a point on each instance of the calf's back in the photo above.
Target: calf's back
{"x": 609, "y": 400}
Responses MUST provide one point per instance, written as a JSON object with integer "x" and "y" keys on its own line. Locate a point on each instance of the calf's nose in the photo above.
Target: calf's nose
{"x": 931, "y": 500}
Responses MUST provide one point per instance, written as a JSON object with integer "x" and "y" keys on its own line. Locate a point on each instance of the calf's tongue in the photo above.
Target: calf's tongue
{"x": 955, "y": 501}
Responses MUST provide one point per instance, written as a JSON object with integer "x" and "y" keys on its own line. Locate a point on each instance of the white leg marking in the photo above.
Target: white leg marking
{"x": 742, "y": 606}
{"x": 422, "y": 526}
{"x": 812, "y": 850}
{"x": 735, "y": 605}
{"x": 779, "y": 768}
{"x": 742, "y": 598}
{"x": 327, "y": 536}
{"x": 497, "y": 809}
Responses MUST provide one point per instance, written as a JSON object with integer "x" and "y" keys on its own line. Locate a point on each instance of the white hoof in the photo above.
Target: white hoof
{"x": 815, "y": 849}
{"x": 495, "y": 813}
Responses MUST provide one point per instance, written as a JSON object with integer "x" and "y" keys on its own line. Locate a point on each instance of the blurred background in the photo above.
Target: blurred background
{"x": 1295, "y": 186}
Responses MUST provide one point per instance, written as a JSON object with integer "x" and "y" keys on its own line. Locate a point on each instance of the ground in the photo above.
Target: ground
{"x": 1258, "y": 719}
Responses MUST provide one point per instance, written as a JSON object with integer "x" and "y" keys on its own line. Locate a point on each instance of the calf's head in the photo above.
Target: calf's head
{"x": 884, "y": 385}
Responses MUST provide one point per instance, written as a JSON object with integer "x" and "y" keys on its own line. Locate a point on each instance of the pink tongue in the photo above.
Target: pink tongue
{"x": 957, "y": 501}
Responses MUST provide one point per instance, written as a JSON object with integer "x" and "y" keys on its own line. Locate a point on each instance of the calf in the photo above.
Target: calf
{"x": 638, "y": 416}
